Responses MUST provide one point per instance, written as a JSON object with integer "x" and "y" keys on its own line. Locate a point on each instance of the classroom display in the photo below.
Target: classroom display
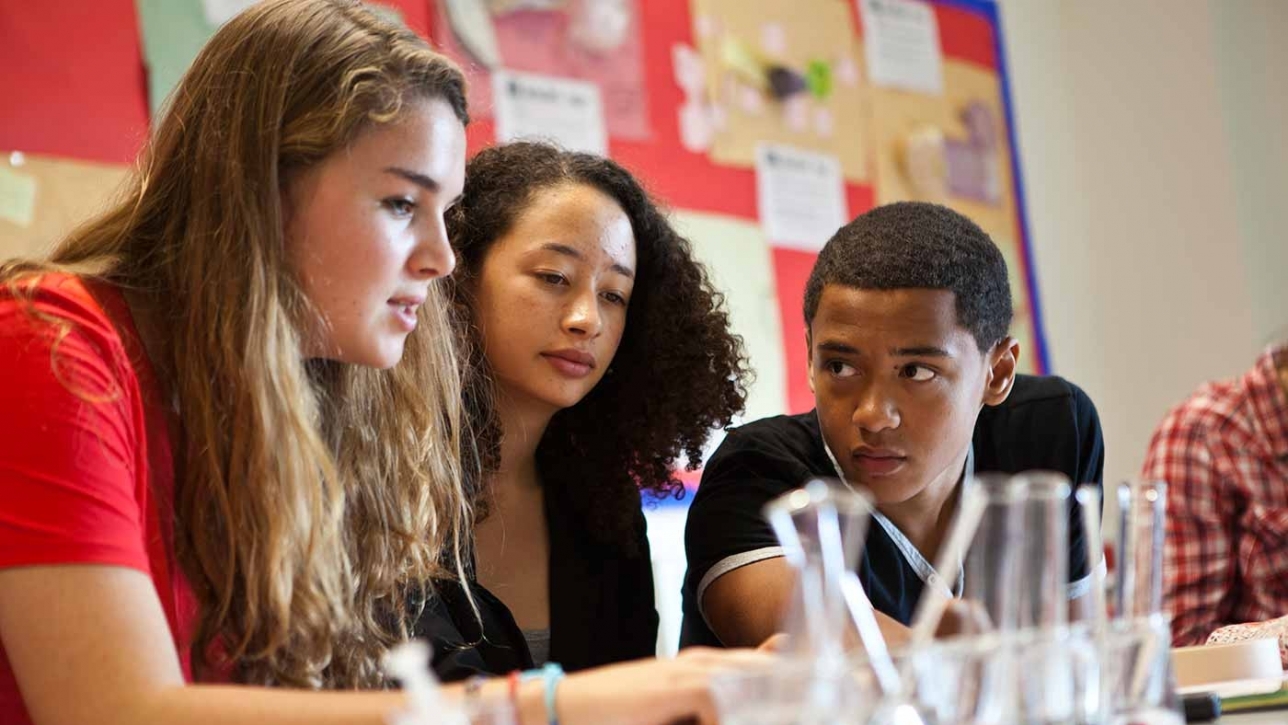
{"x": 762, "y": 124}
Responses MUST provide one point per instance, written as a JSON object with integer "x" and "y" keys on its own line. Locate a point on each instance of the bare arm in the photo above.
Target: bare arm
{"x": 746, "y": 606}
{"x": 90, "y": 645}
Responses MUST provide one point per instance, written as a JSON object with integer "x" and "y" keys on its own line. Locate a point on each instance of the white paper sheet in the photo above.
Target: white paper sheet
{"x": 800, "y": 195}
{"x": 567, "y": 112}
{"x": 901, "y": 42}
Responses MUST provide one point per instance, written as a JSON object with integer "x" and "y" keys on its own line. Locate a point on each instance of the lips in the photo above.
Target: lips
{"x": 570, "y": 363}
{"x": 878, "y": 461}
{"x": 404, "y": 309}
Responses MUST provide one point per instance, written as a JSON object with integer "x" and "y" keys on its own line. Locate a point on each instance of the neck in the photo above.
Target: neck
{"x": 523, "y": 423}
{"x": 924, "y": 518}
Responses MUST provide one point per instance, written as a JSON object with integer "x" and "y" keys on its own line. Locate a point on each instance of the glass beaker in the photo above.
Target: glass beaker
{"x": 1017, "y": 566}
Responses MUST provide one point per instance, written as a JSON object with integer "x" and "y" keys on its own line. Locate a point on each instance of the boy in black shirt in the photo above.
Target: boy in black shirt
{"x": 907, "y": 312}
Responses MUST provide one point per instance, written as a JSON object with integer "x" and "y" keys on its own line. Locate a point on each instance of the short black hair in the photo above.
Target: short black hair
{"x": 916, "y": 245}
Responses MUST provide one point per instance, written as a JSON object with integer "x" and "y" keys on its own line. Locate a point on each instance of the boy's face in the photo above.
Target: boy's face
{"x": 899, "y": 384}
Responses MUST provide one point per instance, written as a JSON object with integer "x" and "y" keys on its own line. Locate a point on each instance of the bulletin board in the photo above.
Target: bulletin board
{"x": 689, "y": 88}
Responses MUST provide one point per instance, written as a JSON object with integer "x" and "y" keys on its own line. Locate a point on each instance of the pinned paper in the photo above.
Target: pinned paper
{"x": 219, "y": 12}
{"x": 738, "y": 258}
{"x": 901, "y": 40}
{"x": 43, "y": 198}
{"x": 800, "y": 196}
{"x": 173, "y": 32}
{"x": 566, "y": 112}
{"x": 17, "y": 197}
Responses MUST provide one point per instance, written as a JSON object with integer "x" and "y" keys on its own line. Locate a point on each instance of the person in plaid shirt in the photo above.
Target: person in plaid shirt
{"x": 1224, "y": 456}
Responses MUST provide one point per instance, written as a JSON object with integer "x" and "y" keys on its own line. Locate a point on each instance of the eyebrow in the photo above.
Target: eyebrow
{"x": 920, "y": 351}
{"x": 838, "y": 347}
{"x": 566, "y": 250}
{"x": 416, "y": 178}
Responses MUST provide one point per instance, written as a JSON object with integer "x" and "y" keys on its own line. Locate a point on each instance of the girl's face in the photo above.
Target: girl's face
{"x": 553, "y": 293}
{"x": 365, "y": 234}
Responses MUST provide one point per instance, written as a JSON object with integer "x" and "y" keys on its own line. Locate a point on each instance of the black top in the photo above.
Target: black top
{"x": 1047, "y": 423}
{"x": 601, "y": 607}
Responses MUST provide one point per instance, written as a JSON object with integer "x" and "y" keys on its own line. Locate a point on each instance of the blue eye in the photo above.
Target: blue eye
{"x": 400, "y": 206}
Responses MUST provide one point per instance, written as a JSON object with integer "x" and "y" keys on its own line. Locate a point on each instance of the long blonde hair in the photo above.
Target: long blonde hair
{"x": 314, "y": 498}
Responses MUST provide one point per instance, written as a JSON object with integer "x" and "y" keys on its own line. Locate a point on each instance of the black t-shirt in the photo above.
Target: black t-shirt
{"x": 601, "y": 607}
{"x": 1047, "y": 423}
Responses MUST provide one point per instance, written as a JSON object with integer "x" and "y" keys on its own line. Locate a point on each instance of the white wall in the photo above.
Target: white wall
{"x": 1156, "y": 213}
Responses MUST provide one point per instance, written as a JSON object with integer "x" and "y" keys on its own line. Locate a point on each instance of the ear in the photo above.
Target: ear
{"x": 1001, "y": 361}
{"x": 809, "y": 359}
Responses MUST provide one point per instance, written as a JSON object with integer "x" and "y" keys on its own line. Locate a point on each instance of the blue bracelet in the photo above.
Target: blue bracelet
{"x": 550, "y": 674}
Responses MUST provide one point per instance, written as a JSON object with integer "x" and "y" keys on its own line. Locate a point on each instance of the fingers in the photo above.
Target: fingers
{"x": 777, "y": 643}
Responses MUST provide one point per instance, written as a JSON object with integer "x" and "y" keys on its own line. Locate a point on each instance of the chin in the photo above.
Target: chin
{"x": 380, "y": 357}
{"x": 562, "y": 398}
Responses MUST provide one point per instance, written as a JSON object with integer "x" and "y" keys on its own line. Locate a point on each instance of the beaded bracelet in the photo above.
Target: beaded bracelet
{"x": 550, "y": 674}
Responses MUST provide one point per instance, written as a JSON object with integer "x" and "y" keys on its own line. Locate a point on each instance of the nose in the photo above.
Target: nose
{"x": 583, "y": 318}
{"x": 875, "y": 410}
{"x": 433, "y": 256}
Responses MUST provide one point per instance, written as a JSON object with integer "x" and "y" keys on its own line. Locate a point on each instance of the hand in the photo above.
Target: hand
{"x": 650, "y": 692}
{"x": 776, "y": 644}
{"x": 963, "y": 616}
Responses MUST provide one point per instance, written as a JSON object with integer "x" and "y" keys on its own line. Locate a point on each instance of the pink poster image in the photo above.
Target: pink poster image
{"x": 590, "y": 40}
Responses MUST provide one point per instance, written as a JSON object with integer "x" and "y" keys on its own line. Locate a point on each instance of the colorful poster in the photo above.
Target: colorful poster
{"x": 778, "y": 71}
{"x": 598, "y": 41}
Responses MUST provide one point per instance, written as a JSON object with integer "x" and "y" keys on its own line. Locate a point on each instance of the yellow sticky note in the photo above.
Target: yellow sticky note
{"x": 17, "y": 197}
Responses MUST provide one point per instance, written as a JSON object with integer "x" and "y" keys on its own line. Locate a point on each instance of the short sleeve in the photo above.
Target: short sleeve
{"x": 71, "y": 443}
{"x": 726, "y": 527}
{"x": 1089, "y": 470}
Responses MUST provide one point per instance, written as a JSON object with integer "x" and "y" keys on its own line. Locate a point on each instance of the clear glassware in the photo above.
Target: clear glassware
{"x": 1017, "y": 566}
{"x": 1142, "y": 511}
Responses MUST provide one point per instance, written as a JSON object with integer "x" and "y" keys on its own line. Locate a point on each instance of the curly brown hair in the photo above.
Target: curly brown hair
{"x": 679, "y": 373}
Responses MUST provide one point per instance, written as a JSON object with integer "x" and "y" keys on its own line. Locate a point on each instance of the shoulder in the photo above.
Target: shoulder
{"x": 1212, "y": 407}
{"x": 1047, "y": 400}
{"x": 760, "y": 460}
{"x": 55, "y": 305}
{"x": 57, "y": 325}
{"x": 1047, "y": 423}
{"x": 791, "y": 439}
{"x": 1215, "y": 415}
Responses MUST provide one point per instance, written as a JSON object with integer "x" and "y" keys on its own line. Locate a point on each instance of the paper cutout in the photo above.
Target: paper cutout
{"x": 218, "y": 12}
{"x": 914, "y": 133}
{"x": 738, "y": 259}
{"x": 597, "y": 41}
{"x": 901, "y": 38}
{"x": 67, "y": 193}
{"x": 173, "y": 32}
{"x": 770, "y": 67}
{"x": 17, "y": 196}
{"x": 800, "y": 195}
{"x": 565, "y": 112}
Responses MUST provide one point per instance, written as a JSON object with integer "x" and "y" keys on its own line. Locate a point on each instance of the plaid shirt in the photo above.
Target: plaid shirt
{"x": 1224, "y": 456}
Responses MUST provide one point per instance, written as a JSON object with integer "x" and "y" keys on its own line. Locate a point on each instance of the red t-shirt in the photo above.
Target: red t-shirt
{"x": 86, "y": 474}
